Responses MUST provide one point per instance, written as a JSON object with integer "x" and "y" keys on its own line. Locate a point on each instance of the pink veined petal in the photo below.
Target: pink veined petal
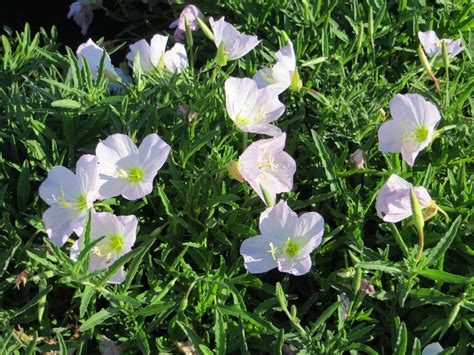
{"x": 425, "y": 112}
{"x": 278, "y": 223}
{"x": 60, "y": 184}
{"x": 242, "y": 46}
{"x": 88, "y": 173}
{"x": 264, "y": 77}
{"x": 410, "y": 150}
{"x": 240, "y": 96}
{"x": 217, "y": 29}
{"x": 176, "y": 59}
{"x": 114, "y": 148}
{"x": 391, "y": 135}
{"x": 256, "y": 252}
{"x": 295, "y": 267}
{"x": 111, "y": 187}
{"x": 152, "y": 154}
{"x": 286, "y": 56}
{"x": 309, "y": 232}
{"x": 128, "y": 228}
{"x": 270, "y": 104}
{"x": 282, "y": 76}
{"x": 157, "y": 48}
{"x": 134, "y": 192}
{"x": 61, "y": 222}
{"x": 401, "y": 108}
{"x": 429, "y": 40}
{"x": 262, "y": 128}
{"x": 423, "y": 196}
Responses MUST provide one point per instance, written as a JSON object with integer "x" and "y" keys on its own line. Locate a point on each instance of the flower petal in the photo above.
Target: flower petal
{"x": 257, "y": 254}
{"x": 278, "y": 223}
{"x": 295, "y": 267}
{"x": 392, "y": 135}
{"x": 60, "y": 223}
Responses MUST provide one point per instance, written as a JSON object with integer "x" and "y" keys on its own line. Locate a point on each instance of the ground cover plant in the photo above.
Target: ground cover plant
{"x": 300, "y": 182}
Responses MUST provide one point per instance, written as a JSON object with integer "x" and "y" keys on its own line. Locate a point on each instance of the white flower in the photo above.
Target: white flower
{"x": 190, "y": 12}
{"x": 252, "y": 109}
{"x": 154, "y": 55}
{"x": 412, "y": 126}
{"x": 265, "y": 165}
{"x": 81, "y": 12}
{"x": 283, "y": 74}
{"x": 119, "y": 234}
{"x": 432, "y": 45}
{"x": 432, "y": 349}
{"x": 69, "y": 196}
{"x": 285, "y": 242}
{"x": 236, "y": 45}
{"x": 92, "y": 54}
{"x": 393, "y": 199}
{"x": 127, "y": 170}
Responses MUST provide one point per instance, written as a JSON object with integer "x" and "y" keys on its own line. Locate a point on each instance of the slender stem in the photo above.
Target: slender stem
{"x": 421, "y": 241}
{"x": 245, "y": 138}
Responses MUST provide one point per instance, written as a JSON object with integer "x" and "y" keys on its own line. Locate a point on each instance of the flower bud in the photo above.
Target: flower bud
{"x": 357, "y": 159}
{"x": 207, "y": 31}
{"x": 221, "y": 57}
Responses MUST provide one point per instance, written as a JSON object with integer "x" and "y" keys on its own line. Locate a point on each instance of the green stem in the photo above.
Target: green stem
{"x": 421, "y": 241}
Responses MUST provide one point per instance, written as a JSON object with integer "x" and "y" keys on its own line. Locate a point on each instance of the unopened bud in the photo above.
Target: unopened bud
{"x": 427, "y": 66}
{"x": 189, "y": 32}
{"x": 296, "y": 83}
{"x": 233, "y": 169}
{"x": 205, "y": 29}
{"x": 357, "y": 159}
{"x": 221, "y": 57}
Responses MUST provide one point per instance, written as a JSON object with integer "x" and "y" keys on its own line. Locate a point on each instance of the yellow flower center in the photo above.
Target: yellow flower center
{"x": 80, "y": 203}
{"x": 113, "y": 245}
{"x": 242, "y": 120}
{"x": 134, "y": 174}
{"x": 291, "y": 248}
{"x": 421, "y": 133}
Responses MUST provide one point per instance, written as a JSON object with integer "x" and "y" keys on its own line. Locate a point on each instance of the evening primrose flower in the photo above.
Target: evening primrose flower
{"x": 92, "y": 54}
{"x": 252, "y": 109}
{"x": 412, "y": 127}
{"x": 285, "y": 242}
{"x": 154, "y": 55}
{"x": 393, "y": 199}
{"x": 264, "y": 165}
{"x": 127, "y": 170}
{"x": 432, "y": 45}
{"x": 432, "y": 349}
{"x": 81, "y": 13}
{"x": 69, "y": 196}
{"x": 283, "y": 74}
{"x": 190, "y": 12}
{"x": 119, "y": 234}
{"x": 235, "y": 44}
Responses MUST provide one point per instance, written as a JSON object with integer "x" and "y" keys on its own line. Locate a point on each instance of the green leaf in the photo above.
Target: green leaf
{"x": 23, "y": 186}
{"x": 66, "y": 103}
{"x": 154, "y": 309}
{"x": 443, "y": 245}
{"x": 198, "y": 343}
{"x": 326, "y": 161}
{"x": 444, "y": 276}
{"x": 7, "y": 255}
{"x": 219, "y": 333}
{"x": 244, "y": 315}
{"x": 89, "y": 291}
{"x": 401, "y": 342}
{"x": 98, "y": 318}
{"x": 383, "y": 266}
{"x": 142, "y": 342}
{"x": 324, "y": 316}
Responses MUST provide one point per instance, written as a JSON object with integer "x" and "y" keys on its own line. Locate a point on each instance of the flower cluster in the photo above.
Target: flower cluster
{"x": 118, "y": 168}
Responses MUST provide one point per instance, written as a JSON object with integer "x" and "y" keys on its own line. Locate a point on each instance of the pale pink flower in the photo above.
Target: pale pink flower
{"x": 69, "y": 196}
{"x": 236, "y": 45}
{"x": 432, "y": 45}
{"x": 358, "y": 159}
{"x": 393, "y": 199}
{"x": 119, "y": 234}
{"x": 411, "y": 128}
{"x": 285, "y": 242}
{"x": 127, "y": 170}
{"x": 154, "y": 55}
{"x": 252, "y": 109}
{"x": 92, "y": 54}
{"x": 190, "y": 12}
{"x": 81, "y": 13}
{"x": 283, "y": 74}
{"x": 265, "y": 165}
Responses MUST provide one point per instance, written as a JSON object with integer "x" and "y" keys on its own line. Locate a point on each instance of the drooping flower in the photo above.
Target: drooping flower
{"x": 69, "y": 196}
{"x": 393, "y": 199}
{"x": 92, "y": 54}
{"x": 252, "y": 109}
{"x": 358, "y": 159}
{"x": 411, "y": 128}
{"x": 127, "y": 170}
{"x": 432, "y": 45}
{"x": 154, "y": 55}
{"x": 285, "y": 242}
{"x": 236, "y": 45}
{"x": 119, "y": 234}
{"x": 190, "y": 12}
{"x": 264, "y": 165}
{"x": 432, "y": 349}
{"x": 82, "y": 14}
{"x": 283, "y": 74}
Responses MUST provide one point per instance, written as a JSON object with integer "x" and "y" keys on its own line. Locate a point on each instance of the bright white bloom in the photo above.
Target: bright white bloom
{"x": 92, "y": 54}
{"x": 393, "y": 199}
{"x": 285, "y": 242}
{"x": 81, "y": 12}
{"x": 358, "y": 159}
{"x": 283, "y": 74}
{"x": 432, "y": 349}
{"x": 69, "y": 195}
{"x": 127, "y": 170}
{"x": 119, "y": 234}
{"x": 432, "y": 45}
{"x": 264, "y": 164}
{"x": 154, "y": 55}
{"x": 190, "y": 12}
{"x": 412, "y": 127}
{"x": 252, "y": 109}
{"x": 236, "y": 45}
